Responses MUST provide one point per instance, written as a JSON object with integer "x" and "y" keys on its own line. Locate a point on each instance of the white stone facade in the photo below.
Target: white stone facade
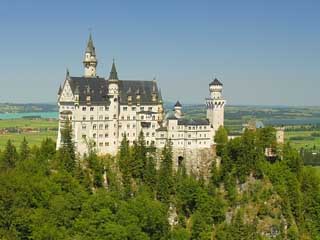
{"x": 102, "y": 110}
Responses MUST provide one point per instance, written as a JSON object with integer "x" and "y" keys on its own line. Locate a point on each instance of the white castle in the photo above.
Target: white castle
{"x": 103, "y": 110}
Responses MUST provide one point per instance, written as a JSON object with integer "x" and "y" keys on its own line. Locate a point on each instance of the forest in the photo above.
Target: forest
{"x": 54, "y": 194}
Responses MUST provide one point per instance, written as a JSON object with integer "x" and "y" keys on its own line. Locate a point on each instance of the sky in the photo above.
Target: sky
{"x": 264, "y": 52}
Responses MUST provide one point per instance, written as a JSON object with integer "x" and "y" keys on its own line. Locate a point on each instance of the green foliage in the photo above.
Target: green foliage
{"x": 9, "y": 156}
{"x": 45, "y": 195}
{"x": 165, "y": 178}
{"x": 221, "y": 139}
{"x": 24, "y": 150}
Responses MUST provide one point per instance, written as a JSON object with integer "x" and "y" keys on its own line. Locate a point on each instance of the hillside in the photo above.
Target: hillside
{"x": 49, "y": 194}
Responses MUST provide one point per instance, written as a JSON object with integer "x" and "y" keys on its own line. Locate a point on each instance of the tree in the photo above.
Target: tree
{"x": 24, "y": 149}
{"x": 221, "y": 139}
{"x": 9, "y": 156}
{"x": 124, "y": 165}
{"x": 150, "y": 173}
{"x": 66, "y": 154}
{"x": 165, "y": 178}
{"x": 139, "y": 158}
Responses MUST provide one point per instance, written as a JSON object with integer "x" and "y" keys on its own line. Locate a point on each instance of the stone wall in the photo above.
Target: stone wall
{"x": 196, "y": 161}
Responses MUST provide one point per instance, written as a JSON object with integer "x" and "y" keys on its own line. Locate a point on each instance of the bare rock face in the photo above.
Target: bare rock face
{"x": 196, "y": 161}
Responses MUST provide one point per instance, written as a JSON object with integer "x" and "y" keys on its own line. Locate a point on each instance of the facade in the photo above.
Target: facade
{"x": 102, "y": 110}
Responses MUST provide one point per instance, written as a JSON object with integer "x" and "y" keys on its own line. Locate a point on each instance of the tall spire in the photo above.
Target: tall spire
{"x": 90, "y": 47}
{"x": 90, "y": 61}
{"x": 113, "y": 73}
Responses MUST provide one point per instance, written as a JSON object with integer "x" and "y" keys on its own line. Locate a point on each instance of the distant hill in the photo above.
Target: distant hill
{"x": 27, "y": 107}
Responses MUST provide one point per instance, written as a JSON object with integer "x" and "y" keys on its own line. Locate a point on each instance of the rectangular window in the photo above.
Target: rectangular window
{"x": 150, "y": 108}
{"x": 141, "y": 108}
{"x": 106, "y": 118}
{"x": 100, "y": 117}
{"x": 128, "y": 118}
{"x": 94, "y": 127}
{"x": 106, "y": 135}
{"x": 84, "y": 118}
{"x": 91, "y": 108}
{"x": 91, "y": 118}
{"x": 84, "y": 127}
{"x": 125, "y": 108}
{"x": 100, "y": 126}
{"x": 84, "y": 108}
{"x": 133, "y": 108}
{"x": 106, "y": 108}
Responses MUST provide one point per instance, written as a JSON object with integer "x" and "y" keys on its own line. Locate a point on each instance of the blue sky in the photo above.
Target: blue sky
{"x": 265, "y": 52}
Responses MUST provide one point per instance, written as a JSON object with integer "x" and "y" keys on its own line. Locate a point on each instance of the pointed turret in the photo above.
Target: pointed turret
{"x": 90, "y": 47}
{"x": 177, "y": 110}
{"x": 60, "y": 90}
{"x": 90, "y": 61}
{"x": 113, "y": 74}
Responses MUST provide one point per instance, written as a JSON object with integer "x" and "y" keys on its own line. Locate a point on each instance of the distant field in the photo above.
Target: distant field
{"x": 46, "y": 127}
{"x": 28, "y": 123}
{"x": 32, "y": 138}
{"x": 304, "y": 139}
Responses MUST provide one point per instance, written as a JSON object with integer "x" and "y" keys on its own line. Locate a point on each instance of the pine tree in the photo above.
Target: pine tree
{"x": 9, "y": 156}
{"x": 24, "y": 150}
{"x": 165, "y": 178}
{"x": 124, "y": 165}
{"x": 67, "y": 151}
{"x": 139, "y": 157}
{"x": 150, "y": 174}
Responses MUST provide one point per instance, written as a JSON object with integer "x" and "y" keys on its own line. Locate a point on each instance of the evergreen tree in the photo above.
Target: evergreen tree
{"x": 165, "y": 178}
{"x": 150, "y": 173}
{"x": 125, "y": 166}
{"x": 67, "y": 151}
{"x": 24, "y": 149}
{"x": 139, "y": 157}
{"x": 9, "y": 156}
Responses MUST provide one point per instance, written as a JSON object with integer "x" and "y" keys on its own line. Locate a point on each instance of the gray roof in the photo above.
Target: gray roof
{"x": 113, "y": 73}
{"x": 178, "y": 104}
{"x": 97, "y": 89}
{"x": 184, "y": 121}
{"x": 216, "y": 82}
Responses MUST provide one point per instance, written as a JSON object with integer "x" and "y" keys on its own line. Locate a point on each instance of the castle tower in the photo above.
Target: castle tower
{"x": 215, "y": 105}
{"x": 114, "y": 107}
{"x": 90, "y": 61}
{"x": 177, "y": 110}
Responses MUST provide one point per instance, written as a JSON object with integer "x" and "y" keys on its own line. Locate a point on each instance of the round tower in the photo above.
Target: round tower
{"x": 90, "y": 61}
{"x": 177, "y": 110}
{"x": 215, "y": 104}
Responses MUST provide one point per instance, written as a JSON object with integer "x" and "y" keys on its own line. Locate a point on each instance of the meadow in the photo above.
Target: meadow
{"x": 34, "y": 130}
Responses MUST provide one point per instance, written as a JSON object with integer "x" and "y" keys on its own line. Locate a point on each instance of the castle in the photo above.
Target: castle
{"x": 102, "y": 110}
